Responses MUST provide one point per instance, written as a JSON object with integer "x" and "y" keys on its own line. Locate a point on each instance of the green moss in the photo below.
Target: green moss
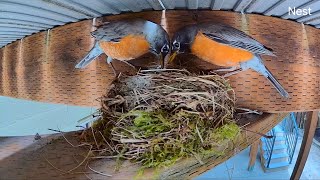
{"x": 148, "y": 124}
{"x": 193, "y": 136}
{"x": 227, "y": 132}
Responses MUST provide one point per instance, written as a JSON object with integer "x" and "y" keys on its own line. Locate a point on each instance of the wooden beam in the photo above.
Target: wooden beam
{"x": 309, "y": 129}
{"x": 253, "y": 154}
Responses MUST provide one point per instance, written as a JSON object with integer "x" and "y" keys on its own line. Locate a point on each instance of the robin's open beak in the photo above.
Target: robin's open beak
{"x": 173, "y": 55}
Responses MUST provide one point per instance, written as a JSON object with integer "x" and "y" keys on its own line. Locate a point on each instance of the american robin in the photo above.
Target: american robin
{"x": 126, "y": 40}
{"x": 224, "y": 46}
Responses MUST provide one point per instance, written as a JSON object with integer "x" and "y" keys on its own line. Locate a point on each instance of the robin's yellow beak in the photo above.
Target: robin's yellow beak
{"x": 161, "y": 58}
{"x": 173, "y": 55}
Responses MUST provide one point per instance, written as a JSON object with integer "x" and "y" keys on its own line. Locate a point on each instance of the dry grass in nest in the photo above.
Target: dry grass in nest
{"x": 159, "y": 116}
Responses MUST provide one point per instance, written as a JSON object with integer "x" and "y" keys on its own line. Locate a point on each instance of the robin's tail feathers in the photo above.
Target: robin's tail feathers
{"x": 94, "y": 53}
{"x": 270, "y": 51}
{"x": 276, "y": 84}
{"x": 257, "y": 64}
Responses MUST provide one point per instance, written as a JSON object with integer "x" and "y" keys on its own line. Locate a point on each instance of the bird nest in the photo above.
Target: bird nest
{"x": 157, "y": 117}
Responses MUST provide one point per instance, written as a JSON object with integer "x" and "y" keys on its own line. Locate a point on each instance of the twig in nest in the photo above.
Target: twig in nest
{"x": 199, "y": 134}
{"x": 94, "y": 137}
{"x": 84, "y": 144}
{"x": 104, "y": 157}
{"x": 63, "y": 171}
{"x": 85, "y": 167}
{"x": 88, "y": 176}
{"x": 103, "y": 174}
{"x": 245, "y": 125}
{"x": 89, "y": 152}
{"x": 61, "y": 132}
{"x": 133, "y": 141}
{"x": 249, "y": 111}
{"x": 104, "y": 139}
{"x": 162, "y": 70}
{"x": 55, "y": 130}
{"x": 191, "y": 112}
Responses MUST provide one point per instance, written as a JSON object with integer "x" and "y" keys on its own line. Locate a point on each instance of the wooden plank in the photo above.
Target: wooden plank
{"x": 62, "y": 155}
{"x": 309, "y": 130}
{"x": 190, "y": 168}
{"x": 253, "y": 155}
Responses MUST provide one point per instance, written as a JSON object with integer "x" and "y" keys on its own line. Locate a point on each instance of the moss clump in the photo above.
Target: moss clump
{"x": 228, "y": 132}
{"x": 147, "y": 124}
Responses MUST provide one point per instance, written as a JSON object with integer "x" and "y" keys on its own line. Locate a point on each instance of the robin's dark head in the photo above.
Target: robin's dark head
{"x": 164, "y": 46}
{"x": 160, "y": 45}
{"x": 182, "y": 40}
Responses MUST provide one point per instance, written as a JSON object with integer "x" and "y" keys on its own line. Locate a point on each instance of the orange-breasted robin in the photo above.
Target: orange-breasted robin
{"x": 224, "y": 46}
{"x": 126, "y": 40}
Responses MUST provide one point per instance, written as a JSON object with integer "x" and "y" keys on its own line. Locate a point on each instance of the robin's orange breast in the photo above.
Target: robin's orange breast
{"x": 217, "y": 53}
{"x": 129, "y": 47}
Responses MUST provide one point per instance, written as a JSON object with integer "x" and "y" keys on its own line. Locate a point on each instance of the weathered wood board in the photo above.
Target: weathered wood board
{"x": 190, "y": 168}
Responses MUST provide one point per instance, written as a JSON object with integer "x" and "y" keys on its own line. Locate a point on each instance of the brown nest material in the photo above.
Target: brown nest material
{"x": 210, "y": 96}
{"x": 159, "y": 116}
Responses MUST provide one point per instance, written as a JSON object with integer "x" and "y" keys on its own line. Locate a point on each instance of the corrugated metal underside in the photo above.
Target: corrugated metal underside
{"x": 20, "y": 18}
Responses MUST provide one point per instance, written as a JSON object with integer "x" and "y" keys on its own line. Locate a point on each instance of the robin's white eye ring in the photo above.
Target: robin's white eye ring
{"x": 165, "y": 49}
{"x": 176, "y": 45}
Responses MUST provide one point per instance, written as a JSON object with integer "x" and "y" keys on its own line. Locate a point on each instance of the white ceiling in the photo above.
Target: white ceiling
{"x": 20, "y": 18}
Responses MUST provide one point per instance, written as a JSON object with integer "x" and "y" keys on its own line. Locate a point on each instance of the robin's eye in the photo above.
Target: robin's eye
{"x": 165, "y": 49}
{"x": 176, "y": 45}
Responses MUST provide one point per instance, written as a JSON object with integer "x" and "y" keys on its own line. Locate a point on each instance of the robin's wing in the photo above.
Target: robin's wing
{"x": 115, "y": 31}
{"x": 230, "y": 36}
